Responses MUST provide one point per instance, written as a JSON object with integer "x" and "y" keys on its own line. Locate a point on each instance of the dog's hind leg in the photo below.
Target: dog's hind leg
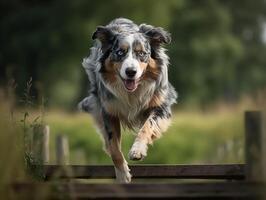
{"x": 110, "y": 128}
{"x": 157, "y": 122}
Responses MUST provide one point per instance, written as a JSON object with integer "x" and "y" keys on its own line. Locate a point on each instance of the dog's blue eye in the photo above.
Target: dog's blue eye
{"x": 120, "y": 52}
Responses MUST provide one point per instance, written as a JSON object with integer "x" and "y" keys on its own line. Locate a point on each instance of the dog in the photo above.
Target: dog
{"x": 128, "y": 75}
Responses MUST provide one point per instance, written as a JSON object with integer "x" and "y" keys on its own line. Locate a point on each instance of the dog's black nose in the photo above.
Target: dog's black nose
{"x": 131, "y": 72}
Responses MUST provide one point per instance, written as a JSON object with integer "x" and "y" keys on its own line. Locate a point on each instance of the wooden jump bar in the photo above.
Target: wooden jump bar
{"x": 226, "y": 171}
{"x": 221, "y": 190}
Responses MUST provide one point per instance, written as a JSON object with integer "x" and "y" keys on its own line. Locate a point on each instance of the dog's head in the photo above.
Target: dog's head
{"x": 130, "y": 56}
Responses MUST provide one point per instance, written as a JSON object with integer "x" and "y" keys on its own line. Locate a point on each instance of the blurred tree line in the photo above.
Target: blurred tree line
{"x": 217, "y": 51}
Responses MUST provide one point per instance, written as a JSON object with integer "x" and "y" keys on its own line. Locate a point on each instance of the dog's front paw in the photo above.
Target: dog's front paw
{"x": 123, "y": 176}
{"x": 138, "y": 151}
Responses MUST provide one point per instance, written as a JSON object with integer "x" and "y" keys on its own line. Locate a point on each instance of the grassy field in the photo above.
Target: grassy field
{"x": 194, "y": 137}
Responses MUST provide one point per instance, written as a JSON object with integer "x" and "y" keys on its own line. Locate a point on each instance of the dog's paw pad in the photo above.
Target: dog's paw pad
{"x": 134, "y": 155}
{"x": 138, "y": 151}
{"x": 122, "y": 176}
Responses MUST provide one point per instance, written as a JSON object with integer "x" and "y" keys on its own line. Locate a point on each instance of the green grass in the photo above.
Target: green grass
{"x": 194, "y": 137}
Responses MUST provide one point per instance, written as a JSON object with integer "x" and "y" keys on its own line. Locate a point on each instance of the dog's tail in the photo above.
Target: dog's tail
{"x": 86, "y": 104}
{"x": 91, "y": 63}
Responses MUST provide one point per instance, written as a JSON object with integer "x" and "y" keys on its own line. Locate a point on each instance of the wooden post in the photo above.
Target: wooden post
{"x": 263, "y": 144}
{"x": 62, "y": 150}
{"x": 40, "y": 144}
{"x": 255, "y": 146}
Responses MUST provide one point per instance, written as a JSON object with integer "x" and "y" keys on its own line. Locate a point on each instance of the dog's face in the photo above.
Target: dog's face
{"x": 127, "y": 57}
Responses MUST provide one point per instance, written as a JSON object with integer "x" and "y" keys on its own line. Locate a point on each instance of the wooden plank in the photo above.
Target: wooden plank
{"x": 228, "y": 190}
{"x": 230, "y": 171}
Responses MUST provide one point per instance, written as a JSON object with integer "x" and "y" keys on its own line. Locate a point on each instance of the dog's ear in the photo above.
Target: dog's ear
{"x": 104, "y": 35}
{"x": 156, "y": 35}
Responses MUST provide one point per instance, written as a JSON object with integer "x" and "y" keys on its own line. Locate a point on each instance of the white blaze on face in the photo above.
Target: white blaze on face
{"x": 130, "y": 61}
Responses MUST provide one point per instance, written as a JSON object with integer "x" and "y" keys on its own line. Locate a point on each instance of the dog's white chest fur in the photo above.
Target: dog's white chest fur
{"x": 127, "y": 106}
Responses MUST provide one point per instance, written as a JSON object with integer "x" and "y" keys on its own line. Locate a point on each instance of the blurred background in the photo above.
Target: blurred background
{"x": 218, "y": 67}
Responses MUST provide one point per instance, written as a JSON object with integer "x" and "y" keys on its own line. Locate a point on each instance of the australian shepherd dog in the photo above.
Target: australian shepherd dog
{"x": 127, "y": 70}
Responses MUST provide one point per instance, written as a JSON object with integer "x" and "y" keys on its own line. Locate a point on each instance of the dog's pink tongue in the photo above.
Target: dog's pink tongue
{"x": 130, "y": 84}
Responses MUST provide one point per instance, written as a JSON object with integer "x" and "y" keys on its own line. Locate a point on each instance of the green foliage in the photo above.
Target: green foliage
{"x": 206, "y": 52}
{"x": 14, "y": 154}
{"x": 217, "y": 49}
{"x": 192, "y": 138}
{"x": 32, "y": 127}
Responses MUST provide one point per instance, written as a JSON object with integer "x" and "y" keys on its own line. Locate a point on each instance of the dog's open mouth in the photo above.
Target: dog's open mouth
{"x": 130, "y": 85}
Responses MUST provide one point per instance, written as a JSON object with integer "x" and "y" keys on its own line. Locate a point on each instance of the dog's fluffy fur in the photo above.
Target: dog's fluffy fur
{"x": 127, "y": 70}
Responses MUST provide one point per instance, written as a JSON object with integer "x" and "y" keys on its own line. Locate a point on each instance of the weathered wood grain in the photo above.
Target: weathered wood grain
{"x": 255, "y": 146}
{"x": 225, "y": 190}
{"x": 230, "y": 171}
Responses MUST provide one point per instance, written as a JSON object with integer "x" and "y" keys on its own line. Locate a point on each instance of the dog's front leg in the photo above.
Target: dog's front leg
{"x": 113, "y": 147}
{"x": 156, "y": 123}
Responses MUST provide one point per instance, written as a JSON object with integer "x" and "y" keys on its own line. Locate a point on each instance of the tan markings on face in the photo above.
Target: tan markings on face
{"x": 157, "y": 100}
{"x": 110, "y": 70}
{"x": 138, "y": 47}
{"x": 152, "y": 70}
{"x": 143, "y": 66}
{"x": 124, "y": 46}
